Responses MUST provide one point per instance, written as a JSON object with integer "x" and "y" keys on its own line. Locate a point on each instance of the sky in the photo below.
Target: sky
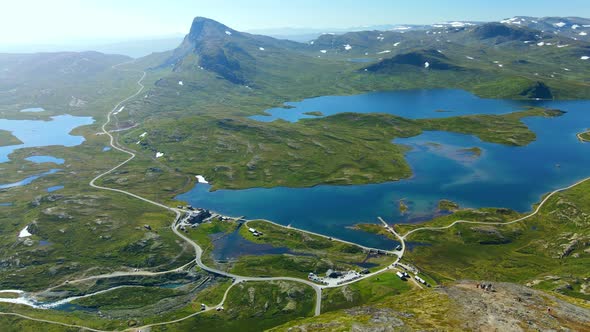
{"x": 59, "y": 21}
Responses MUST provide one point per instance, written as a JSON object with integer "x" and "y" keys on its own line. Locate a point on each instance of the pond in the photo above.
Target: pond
{"x": 233, "y": 245}
{"x": 28, "y": 180}
{"x": 45, "y": 159}
{"x": 54, "y": 188}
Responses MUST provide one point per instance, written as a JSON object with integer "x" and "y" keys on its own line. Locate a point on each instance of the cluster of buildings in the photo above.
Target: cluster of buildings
{"x": 335, "y": 278}
{"x": 378, "y": 252}
{"x": 197, "y": 216}
{"x": 420, "y": 280}
{"x": 194, "y": 217}
{"x": 254, "y": 232}
{"x": 315, "y": 278}
{"x": 404, "y": 276}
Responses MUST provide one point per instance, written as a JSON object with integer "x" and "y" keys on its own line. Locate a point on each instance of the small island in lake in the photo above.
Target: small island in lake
{"x": 403, "y": 207}
{"x": 447, "y": 205}
{"x": 585, "y": 136}
{"x": 472, "y": 152}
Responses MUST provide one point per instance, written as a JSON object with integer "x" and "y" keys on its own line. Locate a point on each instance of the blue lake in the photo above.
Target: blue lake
{"x": 233, "y": 245}
{"x": 28, "y": 180}
{"x": 503, "y": 176}
{"x": 54, "y": 188}
{"x": 38, "y": 133}
{"x": 45, "y": 159}
{"x": 412, "y": 104}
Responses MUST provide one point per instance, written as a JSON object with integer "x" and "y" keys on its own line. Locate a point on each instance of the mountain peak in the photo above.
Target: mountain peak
{"x": 204, "y": 28}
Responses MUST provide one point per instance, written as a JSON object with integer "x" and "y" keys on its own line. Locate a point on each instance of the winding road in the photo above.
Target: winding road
{"x": 496, "y": 223}
{"x": 199, "y": 252}
{"x": 178, "y": 214}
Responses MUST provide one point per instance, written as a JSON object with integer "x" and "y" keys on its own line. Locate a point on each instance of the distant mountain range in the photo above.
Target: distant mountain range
{"x": 134, "y": 47}
{"x": 508, "y": 59}
{"x": 470, "y": 48}
{"x": 573, "y": 27}
{"x": 576, "y": 28}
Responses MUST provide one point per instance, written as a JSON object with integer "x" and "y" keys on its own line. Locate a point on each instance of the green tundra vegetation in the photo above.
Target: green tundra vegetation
{"x": 547, "y": 251}
{"x": 368, "y": 291}
{"x": 314, "y": 113}
{"x": 241, "y": 153}
{"x": 6, "y": 138}
{"x": 472, "y": 152}
{"x": 254, "y": 306}
{"x": 203, "y": 128}
{"x": 446, "y": 205}
{"x": 307, "y": 252}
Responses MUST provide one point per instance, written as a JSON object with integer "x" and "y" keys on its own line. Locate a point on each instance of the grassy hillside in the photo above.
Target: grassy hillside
{"x": 194, "y": 109}
{"x": 6, "y": 138}
{"x": 457, "y": 307}
{"x": 254, "y": 306}
{"x": 340, "y": 149}
{"x": 227, "y": 75}
{"x": 73, "y": 83}
{"x": 533, "y": 265}
{"x": 549, "y": 251}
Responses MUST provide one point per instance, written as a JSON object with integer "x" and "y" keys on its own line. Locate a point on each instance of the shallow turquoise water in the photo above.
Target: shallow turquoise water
{"x": 504, "y": 176}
